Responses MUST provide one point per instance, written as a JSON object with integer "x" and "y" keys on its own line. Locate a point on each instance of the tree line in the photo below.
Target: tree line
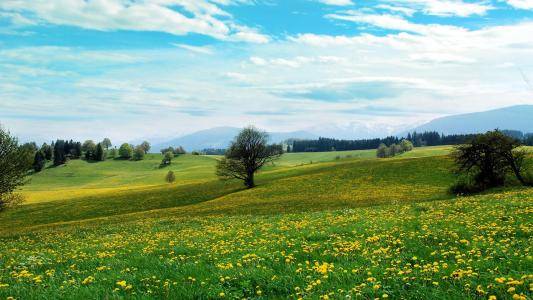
{"x": 428, "y": 138}
{"x": 60, "y": 152}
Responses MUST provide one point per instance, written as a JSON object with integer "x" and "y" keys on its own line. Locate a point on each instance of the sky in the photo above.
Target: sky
{"x": 134, "y": 69}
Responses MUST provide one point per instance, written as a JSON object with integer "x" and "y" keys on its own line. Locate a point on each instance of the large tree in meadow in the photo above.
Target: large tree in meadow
{"x": 488, "y": 159}
{"x": 13, "y": 168}
{"x": 248, "y": 153}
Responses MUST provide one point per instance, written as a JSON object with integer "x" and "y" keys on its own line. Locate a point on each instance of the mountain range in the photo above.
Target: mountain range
{"x": 220, "y": 138}
{"x": 518, "y": 117}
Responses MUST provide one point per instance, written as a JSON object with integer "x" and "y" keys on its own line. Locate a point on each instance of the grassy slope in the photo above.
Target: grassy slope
{"x": 294, "y": 235}
{"x": 343, "y": 183}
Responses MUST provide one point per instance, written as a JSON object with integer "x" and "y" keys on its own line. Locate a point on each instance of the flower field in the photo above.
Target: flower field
{"x": 467, "y": 248}
{"x": 349, "y": 228}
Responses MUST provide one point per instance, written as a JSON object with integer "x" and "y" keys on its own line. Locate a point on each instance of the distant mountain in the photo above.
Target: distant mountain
{"x": 220, "y": 137}
{"x": 518, "y": 117}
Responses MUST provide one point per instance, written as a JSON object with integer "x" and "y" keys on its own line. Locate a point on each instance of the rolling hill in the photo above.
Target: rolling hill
{"x": 518, "y": 117}
{"x": 336, "y": 225}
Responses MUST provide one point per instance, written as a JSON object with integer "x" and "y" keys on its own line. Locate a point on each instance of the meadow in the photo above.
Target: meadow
{"x": 319, "y": 225}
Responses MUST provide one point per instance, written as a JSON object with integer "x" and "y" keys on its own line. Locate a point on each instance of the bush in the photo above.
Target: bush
{"x": 139, "y": 152}
{"x": 465, "y": 185}
{"x": 125, "y": 151}
{"x": 167, "y": 159}
{"x": 10, "y": 200}
{"x": 170, "y": 178}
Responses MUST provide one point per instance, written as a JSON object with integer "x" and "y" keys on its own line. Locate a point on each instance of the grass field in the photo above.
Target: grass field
{"x": 319, "y": 225}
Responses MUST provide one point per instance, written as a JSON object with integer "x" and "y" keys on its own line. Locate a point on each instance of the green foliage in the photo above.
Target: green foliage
{"x": 167, "y": 159}
{"x": 145, "y": 146}
{"x": 170, "y": 177}
{"x": 106, "y": 143}
{"x": 125, "y": 151}
{"x": 139, "y": 152}
{"x": 488, "y": 159}
{"x": 394, "y": 149}
{"x": 88, "y": 146}
{"x": 406, "y": 145}
{"x": 112, "y": 153}
{"x": 47, "y": 151}
{"x": 39, "y": 161}
{"x": 169, "y": 149}
{"x": 60, "y": 157}
{"x": 13, "y": 167}
{"x": 99, "y": 154}
{"x": 248, "y": 153}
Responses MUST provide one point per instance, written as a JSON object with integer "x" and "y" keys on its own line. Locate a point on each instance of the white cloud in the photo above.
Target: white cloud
{"x": 404, "y": 10}
{"x": 394, "y": 22}
{"x": 196, "y": 49}
{"x": 150, "y": 15}
{"x": 446, "y": 7}
{"x": 337, "y": 2}
{"x": 521, "y": 4}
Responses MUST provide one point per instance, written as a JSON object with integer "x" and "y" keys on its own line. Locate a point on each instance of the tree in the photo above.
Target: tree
{"x": 179, "y": 150}
{"x": 112, "y": 153}
{"x": 145, "y": 146}
{"x": 248, "y": 153}
{"x": 383, "y": 151}
{"x": 88, "y": 145}
{"x": 138, "y": 153}
{"x": 99, "y": 154}
{"x": 47, "y": 151}
{"x": 167, "y": 158}
{"x": 13, "y": 166}
{"x": 59, "y": 153}
{"x": 39, "y": 161}
{"x": 406, "y": 145}
{"x": 487, "y": 160}
{"x": 125, "y": 151}
{"x": 165, "y": 150}
{"x": 170, "y": 178}
{"x": 106, "y": 143}
{"x": 76, "y": 150}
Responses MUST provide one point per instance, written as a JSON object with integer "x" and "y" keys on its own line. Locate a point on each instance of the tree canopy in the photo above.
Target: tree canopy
{"x": 13, "y": 166}
{"x": 248, "y": 153}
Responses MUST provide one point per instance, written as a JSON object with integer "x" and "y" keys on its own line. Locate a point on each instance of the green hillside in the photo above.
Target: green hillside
{"x": 319, "y": 225}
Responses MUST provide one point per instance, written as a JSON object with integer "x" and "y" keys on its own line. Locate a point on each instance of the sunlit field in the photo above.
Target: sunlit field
{"x": 318, "y": 225}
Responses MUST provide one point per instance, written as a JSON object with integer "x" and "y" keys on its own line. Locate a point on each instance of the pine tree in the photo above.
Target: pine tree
{"x": 99, "y": 154}
{"x": 39, "y": 161}
{"x": 59, "y": 153}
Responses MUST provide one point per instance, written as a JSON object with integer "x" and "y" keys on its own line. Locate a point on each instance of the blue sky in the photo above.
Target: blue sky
{"x": 130, "y": 69}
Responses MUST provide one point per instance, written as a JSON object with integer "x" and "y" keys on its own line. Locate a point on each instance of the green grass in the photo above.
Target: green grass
{"x": 347, "y": 225}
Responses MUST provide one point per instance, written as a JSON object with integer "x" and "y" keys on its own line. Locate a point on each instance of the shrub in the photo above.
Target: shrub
{"x": 125, "y": 151}
{"x": 465, "y": 185}
{"x": 139, "y": 152}
{"x": 167, "y": 159}
{"x": 170, "y": 178}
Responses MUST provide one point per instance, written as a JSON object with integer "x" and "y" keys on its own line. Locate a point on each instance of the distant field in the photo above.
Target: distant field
{"x": 82, "y": 179}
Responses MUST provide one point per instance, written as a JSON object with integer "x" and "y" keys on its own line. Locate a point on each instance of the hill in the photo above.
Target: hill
{"x": 220, "y": 138}
{"x": 514, "y": 118}
{"x": 319, "y": 225}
